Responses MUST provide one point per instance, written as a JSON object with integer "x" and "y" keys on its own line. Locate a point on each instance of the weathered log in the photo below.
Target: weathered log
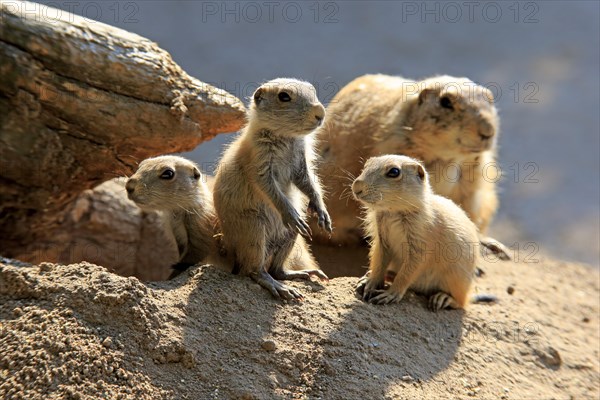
{"x": 82, "y": 102}
{"x": 104, "y": 227}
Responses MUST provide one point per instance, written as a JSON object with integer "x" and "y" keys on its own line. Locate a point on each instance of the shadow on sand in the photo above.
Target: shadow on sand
{"x": 245, "y": 344}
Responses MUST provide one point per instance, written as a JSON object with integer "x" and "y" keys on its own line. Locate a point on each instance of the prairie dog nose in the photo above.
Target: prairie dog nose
{"x": 358, "y": 187}
{"x": 485, "y": 135}
{"x": 319, "y": 111}
{"x": 486, "y": 130}
{"x": 130, "y": 185}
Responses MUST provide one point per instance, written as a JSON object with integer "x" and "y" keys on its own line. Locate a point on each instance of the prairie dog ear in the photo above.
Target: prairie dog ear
{"x": 421, "y": 171}
{"x": 427, "y": 94}
{"x": 417, "y": 169}
{"x": 488, "y": 95}
{"x": 258, "y": 95}
{"x": 196, "y": 173}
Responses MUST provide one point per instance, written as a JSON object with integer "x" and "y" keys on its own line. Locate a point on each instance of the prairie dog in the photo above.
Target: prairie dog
{"x": 425, "y": 240}
{"x": 175, "y": 187}
{"x": 264, "y": 184}
{"x": 450, "y": 124}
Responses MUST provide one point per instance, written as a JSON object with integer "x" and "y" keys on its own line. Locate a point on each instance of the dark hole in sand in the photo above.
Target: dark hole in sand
{"x": 341, "y": 261}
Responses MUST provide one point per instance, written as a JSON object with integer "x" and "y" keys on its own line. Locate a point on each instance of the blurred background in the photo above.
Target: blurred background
{"x": 540, "y": 58}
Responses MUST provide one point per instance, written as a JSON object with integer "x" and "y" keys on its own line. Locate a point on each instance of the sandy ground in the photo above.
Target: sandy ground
{"x": 79, "y": 332}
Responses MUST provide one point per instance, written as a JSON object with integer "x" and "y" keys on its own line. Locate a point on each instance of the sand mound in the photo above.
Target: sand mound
{"x": 79, "y": 331}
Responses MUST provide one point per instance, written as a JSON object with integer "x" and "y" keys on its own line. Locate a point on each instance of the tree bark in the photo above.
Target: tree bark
{"x": 82, "y": 102}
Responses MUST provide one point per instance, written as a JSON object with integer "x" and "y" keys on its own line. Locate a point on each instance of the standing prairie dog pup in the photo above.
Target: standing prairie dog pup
{"x": 425, "y": 240}
{"x": 174, "y": 186}
{"x": 449, "y": 123}
{"x": 261, "y": 184}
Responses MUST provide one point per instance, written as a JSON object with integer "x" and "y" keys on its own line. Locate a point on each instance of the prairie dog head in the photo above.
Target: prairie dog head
{"x": 286, "y": 106}
{"x": 165, "y": 183}
{"x": 453, "y": 117}
{"x": 392, "y": 183}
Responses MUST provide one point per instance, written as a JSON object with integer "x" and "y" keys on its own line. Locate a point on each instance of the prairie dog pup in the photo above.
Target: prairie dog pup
{"x": 174, "y": 186}
{"x": 261, "y": 185}
{"x": 426, "y": 240}
{"x": 449, "y": 123}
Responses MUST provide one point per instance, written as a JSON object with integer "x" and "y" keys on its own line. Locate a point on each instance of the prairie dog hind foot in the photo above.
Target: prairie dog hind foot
{"x": 441, "y": 300}
{"x": 285, "y": 275}
{"x": 368, "y": 288}
{"x": 382, "y": 297}
{"x": 277, "y": 289}
{"x": 492, "y": 246}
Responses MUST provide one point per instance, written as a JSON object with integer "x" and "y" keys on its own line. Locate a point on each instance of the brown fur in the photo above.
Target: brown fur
{"x": 379, "y": 114}
{"x": 264, "y": 184}
{"x": 185, "y": 203}
{"x": 425, "y": 240}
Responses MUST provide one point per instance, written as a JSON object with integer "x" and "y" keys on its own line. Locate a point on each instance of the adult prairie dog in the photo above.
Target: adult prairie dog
{"x": 175, "y": 187}
{"x": 450, "y": 124}
{"x": 424, "y": 241}
{"x": 265, "y": 182}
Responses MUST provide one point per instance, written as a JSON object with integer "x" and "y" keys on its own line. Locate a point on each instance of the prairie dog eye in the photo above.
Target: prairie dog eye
{"x": 445, "y": 102}
{"x": 393, "y": 172}
{"x": 284, "y": 97}
{"x": 167, "y": 174}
